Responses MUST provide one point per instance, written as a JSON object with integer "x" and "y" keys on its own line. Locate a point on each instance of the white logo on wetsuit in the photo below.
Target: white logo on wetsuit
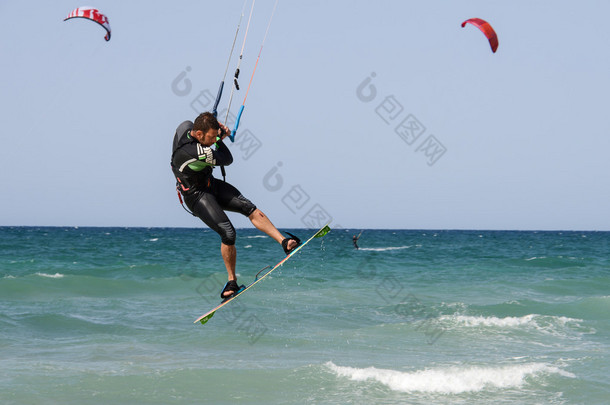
{"x": 205, "y": 154}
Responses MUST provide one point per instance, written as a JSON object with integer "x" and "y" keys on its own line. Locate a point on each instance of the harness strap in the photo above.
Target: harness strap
{"x": 182, "y": 202}
{"x": 181, "y": 187}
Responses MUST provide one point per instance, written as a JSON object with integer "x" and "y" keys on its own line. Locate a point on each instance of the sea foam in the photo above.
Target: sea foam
{"x": 452, "y": 379}
{"x": 542, "y": 323}
{"x": 385, "y": 249}
{"x": 56, "y": 275}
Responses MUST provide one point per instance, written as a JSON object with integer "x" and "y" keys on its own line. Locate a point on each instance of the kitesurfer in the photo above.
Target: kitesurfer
{"x": 193, "y": 159}
{"x": 355, "y": 240}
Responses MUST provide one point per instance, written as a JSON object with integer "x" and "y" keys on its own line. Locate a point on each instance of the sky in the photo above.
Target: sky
{"x": 384, "y": 115}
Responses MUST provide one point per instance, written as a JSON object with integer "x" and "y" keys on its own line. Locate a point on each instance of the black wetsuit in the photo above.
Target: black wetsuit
{"x": 207, "y": 197}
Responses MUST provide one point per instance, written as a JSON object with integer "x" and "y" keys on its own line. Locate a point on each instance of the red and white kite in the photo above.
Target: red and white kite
{"x": 92, "y": 14}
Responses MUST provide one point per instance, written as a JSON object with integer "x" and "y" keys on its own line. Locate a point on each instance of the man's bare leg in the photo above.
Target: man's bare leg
{"x": 229, "y": 255}
{"x": 263, "y": 223}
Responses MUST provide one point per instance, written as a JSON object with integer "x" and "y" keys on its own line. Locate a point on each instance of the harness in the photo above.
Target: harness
{"x": 187, "y": 182}
{"x": 184, "y": 182}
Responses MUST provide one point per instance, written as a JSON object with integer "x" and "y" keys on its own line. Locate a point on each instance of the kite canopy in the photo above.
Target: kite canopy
{"x": 486, "y": 29}
{"x": 92, "y": 14}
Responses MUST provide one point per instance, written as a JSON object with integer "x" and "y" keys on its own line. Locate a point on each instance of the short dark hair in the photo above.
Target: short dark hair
{"x": 205, "y": 121}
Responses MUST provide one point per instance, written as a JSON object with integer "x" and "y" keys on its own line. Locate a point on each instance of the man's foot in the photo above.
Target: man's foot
{"x": 230, "y": 289}
{"x": 289, "y": 244}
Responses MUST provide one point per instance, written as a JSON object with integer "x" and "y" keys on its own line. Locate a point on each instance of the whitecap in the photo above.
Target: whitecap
{"x": 548, "y": 324}
{"x": 56, "y": 275}
{"x": 452, "y": 379}
{"x": 384, "y": 249}
{"x": 474, "y": 321}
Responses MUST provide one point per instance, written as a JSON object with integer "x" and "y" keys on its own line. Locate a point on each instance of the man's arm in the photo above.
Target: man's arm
{"x": 222, "y": 154}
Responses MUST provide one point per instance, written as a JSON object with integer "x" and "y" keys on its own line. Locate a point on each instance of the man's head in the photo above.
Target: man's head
{"x": 205, "y": 129}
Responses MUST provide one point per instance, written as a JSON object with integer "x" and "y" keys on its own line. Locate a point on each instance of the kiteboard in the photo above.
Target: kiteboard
{"x": 208, "y": 315}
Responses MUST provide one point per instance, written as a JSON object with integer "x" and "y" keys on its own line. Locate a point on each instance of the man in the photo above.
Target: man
{"x": 355, "y": 240}
{"x": 193, "y": 160}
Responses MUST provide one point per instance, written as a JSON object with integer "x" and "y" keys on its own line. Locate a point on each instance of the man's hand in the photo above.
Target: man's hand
{"x": 224, "y": 131}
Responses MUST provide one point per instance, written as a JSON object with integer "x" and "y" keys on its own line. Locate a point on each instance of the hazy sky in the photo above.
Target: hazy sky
{"x": 444, "y": 134}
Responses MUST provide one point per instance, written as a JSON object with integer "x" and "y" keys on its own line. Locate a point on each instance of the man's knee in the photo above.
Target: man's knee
{"x": 227, "y": 233}
{"x": 247, "y": 207}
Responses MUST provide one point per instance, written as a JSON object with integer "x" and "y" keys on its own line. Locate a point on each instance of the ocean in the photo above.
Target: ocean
{"x": 105, "y": 316}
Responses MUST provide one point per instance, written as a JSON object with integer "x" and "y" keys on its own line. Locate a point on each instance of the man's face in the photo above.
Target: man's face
{"x": 210, "y": 137}
{"x": 207, "y": 139}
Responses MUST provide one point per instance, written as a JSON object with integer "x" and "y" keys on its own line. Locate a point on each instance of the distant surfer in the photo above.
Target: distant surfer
{"x": 355, "y": 240}
{"x": 198, "y": 147}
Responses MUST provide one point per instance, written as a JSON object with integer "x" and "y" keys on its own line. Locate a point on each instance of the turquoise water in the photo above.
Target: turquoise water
{"x": 105, "y": 315}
